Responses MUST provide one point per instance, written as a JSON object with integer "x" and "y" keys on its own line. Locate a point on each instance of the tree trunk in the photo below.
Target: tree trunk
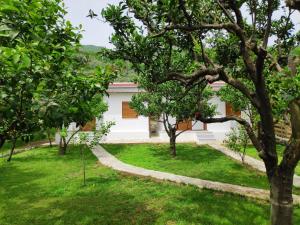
{"x": 2, "y": 141}
{"x": 62, "y": 146}
{"x": 173, "y": 144}
{"x": 12, "y": 150}
{"x": 281, "y": 198}
{"x": 244, "y": 153}
{"x": 49, "y": 138}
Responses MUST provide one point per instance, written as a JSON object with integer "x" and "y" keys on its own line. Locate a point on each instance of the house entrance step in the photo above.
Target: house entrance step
{"x": 205, "y": 136}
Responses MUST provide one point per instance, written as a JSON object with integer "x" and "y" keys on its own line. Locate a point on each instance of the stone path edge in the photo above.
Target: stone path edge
{"x": 111, "y": 161}
{"x": 250, "y": 161}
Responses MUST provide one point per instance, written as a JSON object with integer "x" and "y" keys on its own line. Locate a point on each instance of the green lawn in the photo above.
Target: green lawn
{"x": 251, "y": 151}
{"x": 192, "y": 160}
{"x": 40, "y": 187}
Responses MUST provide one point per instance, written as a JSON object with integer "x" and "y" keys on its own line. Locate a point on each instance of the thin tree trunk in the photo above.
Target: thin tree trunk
{"x": 63, "y": 146}
{"x": 244, "y": 153}
{"x": 12, "y": 150}
{"x": 2, "y": 141}
{"x": 49, "y": 138}
{"x": 281, "y": 198}
{"x": 173, "y": 144}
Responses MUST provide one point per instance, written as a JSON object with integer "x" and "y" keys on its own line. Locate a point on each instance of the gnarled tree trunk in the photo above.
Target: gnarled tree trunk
{"x": 281, "y": 197}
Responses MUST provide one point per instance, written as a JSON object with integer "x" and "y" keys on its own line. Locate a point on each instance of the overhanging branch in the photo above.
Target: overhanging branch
{"x": 244, "y": 123}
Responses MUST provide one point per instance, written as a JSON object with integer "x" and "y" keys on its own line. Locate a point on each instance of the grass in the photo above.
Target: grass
{"x": 8, "y": 145}
{"x": 33, "y": 139}
{"x": 40, "y": 187}
{"x": 192, "y": 160}
{"x": 251, "y": 151}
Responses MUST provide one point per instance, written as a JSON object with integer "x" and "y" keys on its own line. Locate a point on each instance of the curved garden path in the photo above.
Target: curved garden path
{"x": 109, "y": 160}
{"x": 250, "y": 161}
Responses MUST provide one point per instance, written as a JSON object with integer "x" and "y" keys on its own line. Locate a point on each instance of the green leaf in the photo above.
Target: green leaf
{"x": 16, "y": 58}
{"x": 25, "y": 62}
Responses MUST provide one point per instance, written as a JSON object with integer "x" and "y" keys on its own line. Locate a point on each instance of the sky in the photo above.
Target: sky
{"x": 96, "y": 31}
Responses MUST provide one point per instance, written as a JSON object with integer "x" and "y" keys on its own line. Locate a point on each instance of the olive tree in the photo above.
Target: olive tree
{"x": 247, "y": 61}
{"x": 41, "y": 80}
{"x": 35, "y": 47}
{"x": 171, "y": 104}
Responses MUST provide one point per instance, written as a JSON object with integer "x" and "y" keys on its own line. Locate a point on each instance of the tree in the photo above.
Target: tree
{"x": 90, "y": 140}
{"x": 237, "y": 140}
{"x": 35, "y": 47}
{"x": 42, "y": 78}
{"x": 244, "y": 27}
{"x": 78, "y": 101}
{"x": 171, "y": 104}
{"x": 155, "y": 57}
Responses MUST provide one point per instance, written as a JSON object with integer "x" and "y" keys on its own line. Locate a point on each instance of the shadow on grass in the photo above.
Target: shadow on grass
{"x": 103, "y": 207}
{"x": 110, "y": 198}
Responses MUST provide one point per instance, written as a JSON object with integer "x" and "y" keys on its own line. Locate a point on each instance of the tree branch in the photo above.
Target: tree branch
{"x": 73, "y": 135}
{"x": 185, "y": 129}
{"x": 237, "y": 12}
{"x": 244, "y": 123}
{"x": 269, "y": 24}
{"x": 166, "y": 122}
{"x": 226, "y": 12}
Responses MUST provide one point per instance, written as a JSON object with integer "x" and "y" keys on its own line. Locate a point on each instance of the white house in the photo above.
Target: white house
{"x": 131, "y": 127}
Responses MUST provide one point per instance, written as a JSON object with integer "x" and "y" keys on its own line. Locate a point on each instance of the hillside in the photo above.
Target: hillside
{"x": 95, "y": 56}
{"x": 91, "y": 48}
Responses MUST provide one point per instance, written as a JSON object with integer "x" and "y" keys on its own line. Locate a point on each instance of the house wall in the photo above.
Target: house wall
{"x": 187, "y": 136}
{"x": 138, "y": 128}
{"x": 124, "y": 129}
{"x": 220, "y": 129}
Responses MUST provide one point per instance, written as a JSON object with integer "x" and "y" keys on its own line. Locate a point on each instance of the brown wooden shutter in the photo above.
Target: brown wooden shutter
{"x": 128, "y": 112}
{"x": 185, "y": 125}
{"x": 230, "y": 111}
{"x": 90, "y": 126}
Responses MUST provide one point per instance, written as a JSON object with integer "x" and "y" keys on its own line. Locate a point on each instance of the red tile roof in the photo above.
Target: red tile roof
{"x": 134, "y": 85}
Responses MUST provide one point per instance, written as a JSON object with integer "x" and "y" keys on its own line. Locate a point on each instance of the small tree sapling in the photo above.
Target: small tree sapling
{"x": 237, "y": 140}
{"x": 88, "y": 140}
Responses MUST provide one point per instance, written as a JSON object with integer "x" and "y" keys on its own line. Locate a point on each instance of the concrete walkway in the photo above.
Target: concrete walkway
{"x": 109, "y": 160}
{"x": 254, "y": 163}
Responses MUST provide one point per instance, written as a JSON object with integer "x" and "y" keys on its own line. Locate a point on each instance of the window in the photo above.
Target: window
{"x": 185, "y": 125}
{"x": 90, "y": 126}
{"x": 127, "y": 112}
{"x": 230, "y": 111}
